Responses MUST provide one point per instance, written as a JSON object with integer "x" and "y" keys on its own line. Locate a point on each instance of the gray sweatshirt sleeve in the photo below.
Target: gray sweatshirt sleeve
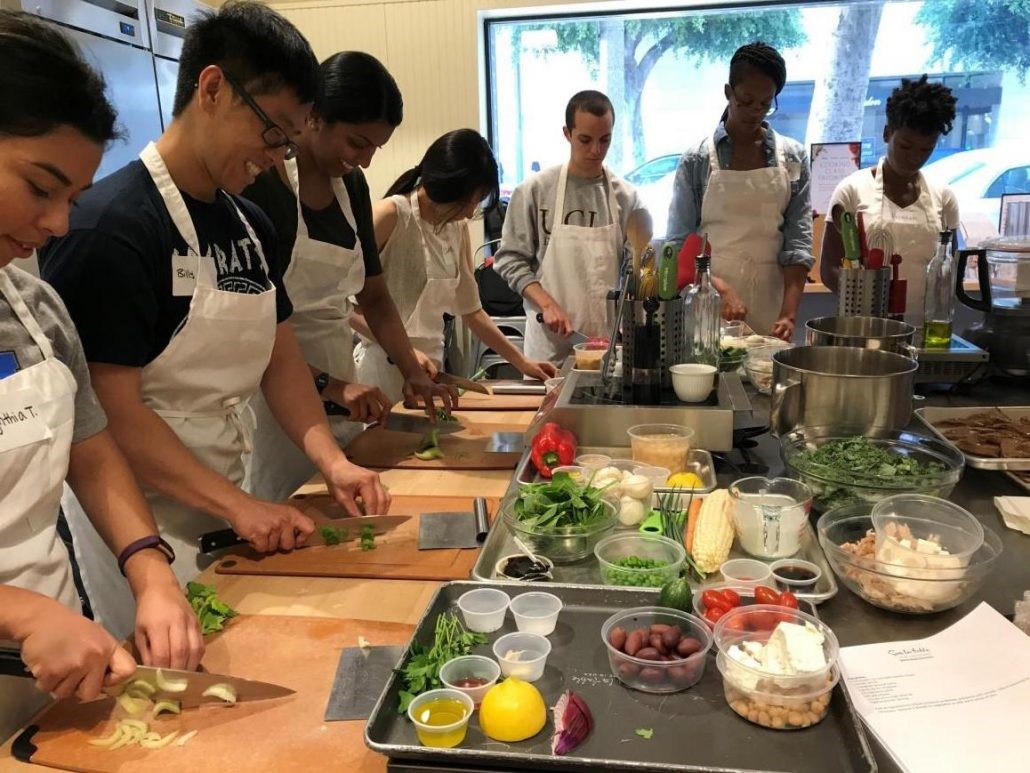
{"x": 516, "y": 259}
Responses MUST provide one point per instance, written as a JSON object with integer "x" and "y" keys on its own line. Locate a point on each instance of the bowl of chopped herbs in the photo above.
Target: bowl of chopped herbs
{"x": 561, "y": 519}
{"x": 843, "y": 467}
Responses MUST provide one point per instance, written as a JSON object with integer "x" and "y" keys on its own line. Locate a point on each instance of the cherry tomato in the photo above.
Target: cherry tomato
{"x": 712, "y": 614}
{"x": 731, "y": 596}
{"x": 788, "y": 599}
{"x": 714, "y": 600}
{"x": 763, "y": 621}
{"x": 765, "y": 595}
{"x": 735, "y": 624}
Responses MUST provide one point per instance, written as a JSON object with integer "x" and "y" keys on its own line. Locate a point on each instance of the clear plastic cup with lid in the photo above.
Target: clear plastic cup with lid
{"x": 912, "y": 526}
{"x": 483, "y": 609}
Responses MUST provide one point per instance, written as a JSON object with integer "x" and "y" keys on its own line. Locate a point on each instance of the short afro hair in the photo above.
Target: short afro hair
{"x": 928, "y": 108}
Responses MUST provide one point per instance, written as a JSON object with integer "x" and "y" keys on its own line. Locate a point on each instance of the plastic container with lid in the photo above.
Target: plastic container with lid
{"x": 483, "y": 609}
{"x": 746, "y": 572}
{"x": 661, "y": 445}
{"x": 536, "y": 612}
{"x": 522, "y": 655}
{"x": 441, "y": 717}
{"x": 470, "y": 674}
{"x": 589, "y": 355}
{"x": 651, "y": 547}
{"x": 657, "y": 676}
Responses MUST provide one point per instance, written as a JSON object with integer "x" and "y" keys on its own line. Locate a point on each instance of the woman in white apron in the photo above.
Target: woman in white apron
{"x": 754, "y": 201}
{"x": 355, "y": 114}
{"x": 48, "y": 154}
{"x": 422, "y": 231}
{"x": 895, "y": 196}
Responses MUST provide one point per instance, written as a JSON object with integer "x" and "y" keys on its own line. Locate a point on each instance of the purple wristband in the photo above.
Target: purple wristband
{"x": 145, "y": 543}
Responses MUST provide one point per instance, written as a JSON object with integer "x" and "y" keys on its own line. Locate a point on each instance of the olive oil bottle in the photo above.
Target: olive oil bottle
{"x": 939, "y": 301}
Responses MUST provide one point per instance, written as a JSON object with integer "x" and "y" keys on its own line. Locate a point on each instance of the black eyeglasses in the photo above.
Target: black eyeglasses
{"x": 273, "y": 135}
{"x": 769, "y": 111}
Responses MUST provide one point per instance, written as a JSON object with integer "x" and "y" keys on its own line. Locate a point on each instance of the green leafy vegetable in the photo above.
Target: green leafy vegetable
{"x": 210, "y": 610}
{"x": 430, "y": 448}
{"x": 841, "y": 460}
{"x": 333, "y": 535}
{"x": 422, "y": 671}
{"x": 442, "y": 414}
{"x": 560, "y": 503}
{"x": 368, "y": 538}
{"x": 645, "y": 732}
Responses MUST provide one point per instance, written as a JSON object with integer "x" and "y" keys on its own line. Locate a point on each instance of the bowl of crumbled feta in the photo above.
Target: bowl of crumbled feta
{"x": 778, "y": 665}
{"x": 906, "y": 564}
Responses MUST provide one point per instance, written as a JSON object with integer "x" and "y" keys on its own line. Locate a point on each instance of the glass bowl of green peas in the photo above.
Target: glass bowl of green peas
{"x": 639, "y": 560}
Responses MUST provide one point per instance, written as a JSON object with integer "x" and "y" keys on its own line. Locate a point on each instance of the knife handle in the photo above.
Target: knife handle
{"x": 11, "y": 664}
{"x": 214, "y": 541}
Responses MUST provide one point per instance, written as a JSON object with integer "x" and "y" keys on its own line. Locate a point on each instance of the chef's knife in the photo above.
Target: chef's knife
{"x": 194, "y": 683}
{"x": 464, "y": 383}
{"x": 406, "y": 422}
{"x": 347, "y": 529}
{"x": 575, "y": 337}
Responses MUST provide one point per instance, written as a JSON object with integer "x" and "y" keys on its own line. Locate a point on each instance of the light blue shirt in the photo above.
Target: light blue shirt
{"x": 691, "y": 181}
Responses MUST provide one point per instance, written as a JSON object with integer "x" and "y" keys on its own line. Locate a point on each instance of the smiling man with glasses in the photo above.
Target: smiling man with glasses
{"x": 747, "y": 187}
{"x": 174, "y": 285}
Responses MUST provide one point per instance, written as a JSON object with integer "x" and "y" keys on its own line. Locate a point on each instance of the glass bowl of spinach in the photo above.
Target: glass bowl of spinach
{"x": 843, "y": 467}
{"x": 560, "y": 519}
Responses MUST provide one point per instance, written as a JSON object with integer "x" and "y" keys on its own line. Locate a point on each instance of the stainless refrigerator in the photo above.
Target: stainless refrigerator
{"x": 168, "y": 21}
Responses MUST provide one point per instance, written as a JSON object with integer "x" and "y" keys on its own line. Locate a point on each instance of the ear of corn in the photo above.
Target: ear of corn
{"x": 713, "y": 535}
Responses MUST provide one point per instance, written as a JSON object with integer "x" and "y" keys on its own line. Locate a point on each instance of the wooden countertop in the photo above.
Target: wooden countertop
{"x": 397, "y": 601}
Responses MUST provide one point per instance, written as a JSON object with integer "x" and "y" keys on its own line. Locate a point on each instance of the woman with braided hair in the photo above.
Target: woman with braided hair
{"x": 895, "y": 195}
{"x": 747, "y": 187}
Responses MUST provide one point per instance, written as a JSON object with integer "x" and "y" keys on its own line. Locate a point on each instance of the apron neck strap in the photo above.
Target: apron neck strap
{"x": 339, "y": 191}
{"x": 559, "y": 196}
{"x": 713, "y": 154}
{"x": 21, "y": 310}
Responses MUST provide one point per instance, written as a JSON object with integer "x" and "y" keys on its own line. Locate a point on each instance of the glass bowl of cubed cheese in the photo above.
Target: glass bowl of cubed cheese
{"x": 778, "y": 665}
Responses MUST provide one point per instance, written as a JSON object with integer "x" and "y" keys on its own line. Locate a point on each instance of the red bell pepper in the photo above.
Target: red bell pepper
{"x": 552, "y": 447}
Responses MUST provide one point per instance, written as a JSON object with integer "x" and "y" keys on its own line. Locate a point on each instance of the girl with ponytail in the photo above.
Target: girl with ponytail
{"x": 424, "y": 243}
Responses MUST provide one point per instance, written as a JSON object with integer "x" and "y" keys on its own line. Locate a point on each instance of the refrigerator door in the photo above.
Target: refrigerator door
{"x": 129, "y": 73}
{"x": 167, "y": 70}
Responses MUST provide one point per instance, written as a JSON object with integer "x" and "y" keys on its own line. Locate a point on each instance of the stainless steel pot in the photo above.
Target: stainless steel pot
{"x": 863, "y": 390}
{"x": 864, "y": 332}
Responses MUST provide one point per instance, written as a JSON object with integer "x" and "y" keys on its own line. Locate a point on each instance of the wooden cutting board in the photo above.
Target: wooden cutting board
{"x": 474, "y": 401}
{"x": 396, "y": 555}
{"x": 284, "y": 735}
{"x": 380, "y": 448}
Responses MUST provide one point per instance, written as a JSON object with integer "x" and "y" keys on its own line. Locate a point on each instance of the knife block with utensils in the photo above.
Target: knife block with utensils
{"x": 864, "y": 292}
{"x": 652, "y": 339}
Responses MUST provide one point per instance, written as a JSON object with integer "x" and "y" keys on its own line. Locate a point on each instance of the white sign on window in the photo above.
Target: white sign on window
{"x": 831, "y": 163}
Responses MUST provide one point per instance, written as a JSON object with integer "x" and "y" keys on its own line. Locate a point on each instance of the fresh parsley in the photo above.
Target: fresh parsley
{"x": 333, "y": 535}
{"x": 422, "y": 670}
{"x": 368, "y": 538}
{"x": 646, "y": 733}
{"x": 210, "y": 610}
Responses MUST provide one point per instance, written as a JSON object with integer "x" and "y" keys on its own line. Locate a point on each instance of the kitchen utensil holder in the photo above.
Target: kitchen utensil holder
{"x": 864, "y": 292}
{"x": 669, "y": 321}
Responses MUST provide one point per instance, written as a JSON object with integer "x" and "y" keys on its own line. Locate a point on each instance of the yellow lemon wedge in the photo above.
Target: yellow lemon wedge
{"x": 512, "y": 711}
{"x": 685, "y": 480}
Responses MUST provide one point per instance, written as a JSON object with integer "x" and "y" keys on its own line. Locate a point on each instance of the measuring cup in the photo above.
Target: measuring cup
{"x": 770, "y": 515}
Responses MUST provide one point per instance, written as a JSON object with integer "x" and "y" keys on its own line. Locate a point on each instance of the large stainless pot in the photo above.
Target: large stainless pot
{"x": 864, "y": 332}
{"x": 840, "y": 386}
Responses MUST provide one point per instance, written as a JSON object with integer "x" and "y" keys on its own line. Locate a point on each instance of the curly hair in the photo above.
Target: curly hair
{"x": 762, "y": 57}
{"x": 928, "y": 108}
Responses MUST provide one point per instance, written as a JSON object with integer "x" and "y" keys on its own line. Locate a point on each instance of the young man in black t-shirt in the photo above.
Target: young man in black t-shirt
{"x": 169, "y": 275}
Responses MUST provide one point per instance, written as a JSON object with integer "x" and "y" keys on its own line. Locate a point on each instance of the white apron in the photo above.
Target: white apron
{"x": 37, "y": 418}
{"x": 321, "y": 280}
{"x": 742, "y": 213}
{"x": 579, "y": 267}
{"x": 199, "y": 385}
{"x": 424, "y": 324}
{"x": 915, "y": 231}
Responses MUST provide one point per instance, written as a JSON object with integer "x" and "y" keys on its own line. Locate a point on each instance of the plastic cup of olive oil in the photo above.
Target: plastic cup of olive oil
{"x": 441, "y": 717}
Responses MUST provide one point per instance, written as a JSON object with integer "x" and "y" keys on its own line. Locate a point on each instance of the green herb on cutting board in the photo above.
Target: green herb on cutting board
{"x": 430, "y": 447}
{"x": 561, "y": 503}
{"x": 368, "y": 538}
{"x": 442, "y": 414}
{"x": 422, "y": 670}
{"x": 333, "y": 535}
{"x": 210, "y": 610}
{"x": 646, "y": 733}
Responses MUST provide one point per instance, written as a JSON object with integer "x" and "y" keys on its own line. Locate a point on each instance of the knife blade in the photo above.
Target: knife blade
{"x": 505, "y": 443}
{"x": 465, "y": 383}
{"x": 350, "y": 529}
{"x": 575, "y": 337}
{"x": 405, "y": 422}
{"x": 196, "y": 682}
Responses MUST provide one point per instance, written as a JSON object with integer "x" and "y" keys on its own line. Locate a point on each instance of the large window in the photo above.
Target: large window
{"x": 665, "y": 73}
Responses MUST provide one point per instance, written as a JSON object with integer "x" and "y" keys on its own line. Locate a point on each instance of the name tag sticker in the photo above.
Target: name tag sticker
{"x": 20, "y": 422}
{"x": 184, "y": 275}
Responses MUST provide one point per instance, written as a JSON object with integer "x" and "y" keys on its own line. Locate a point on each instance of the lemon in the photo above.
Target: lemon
{"x": 685, "y": 480}
{"x": 512, "y": 711}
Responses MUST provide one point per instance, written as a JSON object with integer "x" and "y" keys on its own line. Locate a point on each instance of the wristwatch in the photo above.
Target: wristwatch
{"x": 321, "y": 382}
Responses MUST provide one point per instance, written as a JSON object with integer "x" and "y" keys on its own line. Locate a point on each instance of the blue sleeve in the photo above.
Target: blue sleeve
{"x": 688, "y": 189}
{"x": 797, "y": 219}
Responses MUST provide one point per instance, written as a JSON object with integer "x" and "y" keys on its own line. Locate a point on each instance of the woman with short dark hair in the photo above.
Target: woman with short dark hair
{"x": 747, "y": 187}
{"x": 422, "y": 231}
{"x": 55, "y": 120}
{"x": 894, "y": 195}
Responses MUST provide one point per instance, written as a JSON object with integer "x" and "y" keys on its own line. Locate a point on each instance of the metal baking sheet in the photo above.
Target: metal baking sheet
{"x": 1021, "y": 478}
{"x": 931, "y": 415}
{"x": 694, "y": 730}
{"x": 699, "y": 462}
